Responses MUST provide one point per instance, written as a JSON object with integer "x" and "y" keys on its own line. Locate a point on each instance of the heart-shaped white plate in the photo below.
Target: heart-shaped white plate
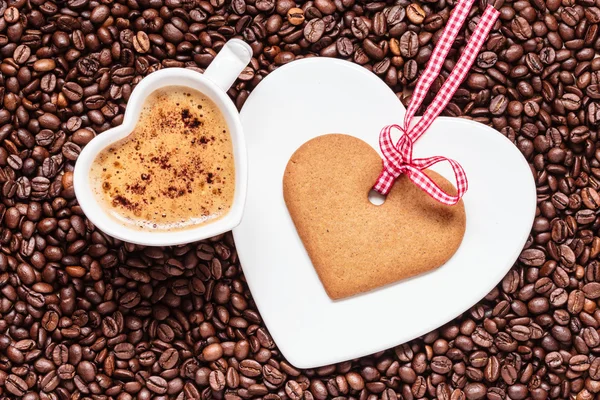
{"x": 311, "y": 97}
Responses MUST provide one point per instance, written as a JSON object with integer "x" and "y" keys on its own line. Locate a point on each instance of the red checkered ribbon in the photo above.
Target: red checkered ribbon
{"x": 398, "y": 158}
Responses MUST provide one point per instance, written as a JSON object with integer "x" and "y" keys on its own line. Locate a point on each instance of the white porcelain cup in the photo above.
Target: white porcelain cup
{"x": 214, "y": 83}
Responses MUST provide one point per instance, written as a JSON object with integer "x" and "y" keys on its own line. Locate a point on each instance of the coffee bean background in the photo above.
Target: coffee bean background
{"x": 85, "y": 316}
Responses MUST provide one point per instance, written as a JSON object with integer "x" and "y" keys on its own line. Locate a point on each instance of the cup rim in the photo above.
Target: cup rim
{"x": 88, "y": 201}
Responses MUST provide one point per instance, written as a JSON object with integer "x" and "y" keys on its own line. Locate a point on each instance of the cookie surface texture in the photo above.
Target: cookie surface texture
{"x": 354, "y": 245}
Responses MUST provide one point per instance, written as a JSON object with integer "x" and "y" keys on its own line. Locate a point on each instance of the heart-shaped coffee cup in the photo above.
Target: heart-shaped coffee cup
{"x": 312, "y": 97}
{"x": 214, "y": 83}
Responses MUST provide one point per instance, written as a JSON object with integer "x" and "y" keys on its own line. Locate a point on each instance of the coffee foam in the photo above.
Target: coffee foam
{"x": 175, "y": 170}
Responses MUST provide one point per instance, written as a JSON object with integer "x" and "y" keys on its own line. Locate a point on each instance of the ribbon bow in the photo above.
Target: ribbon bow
{"x": 398, "y": 158}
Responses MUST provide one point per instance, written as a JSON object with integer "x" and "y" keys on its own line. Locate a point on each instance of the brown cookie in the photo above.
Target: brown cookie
{"x": 356, "y": 246}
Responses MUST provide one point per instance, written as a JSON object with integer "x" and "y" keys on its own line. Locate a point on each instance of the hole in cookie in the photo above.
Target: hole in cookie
{"x": 376, "y": 198}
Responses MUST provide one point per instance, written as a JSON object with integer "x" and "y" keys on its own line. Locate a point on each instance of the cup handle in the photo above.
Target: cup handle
{"x": 229, "y": 63}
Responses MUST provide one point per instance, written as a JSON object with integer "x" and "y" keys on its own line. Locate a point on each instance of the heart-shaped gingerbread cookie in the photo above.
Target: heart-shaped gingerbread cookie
{"x": 354, "y": 245}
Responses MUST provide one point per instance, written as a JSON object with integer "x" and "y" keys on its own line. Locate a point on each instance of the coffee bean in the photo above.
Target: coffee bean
{"x": 518, "y": 391}
{"x": 141, "y": 42}
{"x": 21, "y": 54}
{"x": 441, "y": 365}
{"x": 294, "y": 390}
{"x": 49, "y": 121}
{"x": 284, "y": 57}
{"x": 232, "y": 378}
{"x": 569, "y": 16}
{"x": 521, "y": 333}
{"x": 534, "y": 64}
{"x": 585, "y": 217}
{"x": 594, "y": 369}
{"x": 579, "y": 363}
{"x": 359, "y": 28}
{"x": 532, "y": 257}
{"x": 575, "y": 302}
{"x": 591, "y": 290}
{"x": 11, "y": 15}
{"x": 15, "y": 385}
{"x": 498, "y": 105}
{"x": 409, "y": 44}
{"x": 379, "y": 24}
{"x": 168, "y": 359}
{"x": 124, "y": 351}
{"x": 571, "y": 101}
{"x": 395, "y": 15}
{"x": 521, "y": 28}
{"x": 410, "y": 70}
{"x": 86, "y": 370}
{"x": 212, "y": 352}
{"x": 295, "y": 16}
{"x": 216, "y": 380}
{"x": 508, "y": 374}
{"x": 157, "y": 385}
{"x": 482, "y": 338}
{"x": 593, "y": 113}
{"x": 44, "y": 65}
{"x": 49, "y": 382}
{"x": 172, "y": 34}
{"x": 415, "y": 13}
{"x": 250, "y": 368}
{"x": 314, "y": 29}
{"x": 590, "y": 198}
{"x": 265, "y": 5}
{"x": 66, "y": 371}
{"x": 475, "y": 391}
{"x": 82, "y": 136}
{"x": 344, "y": 47}
{"x": 373, "y": 50}
{"x": 492, "y": 369}
{"x": 487, "y": 59}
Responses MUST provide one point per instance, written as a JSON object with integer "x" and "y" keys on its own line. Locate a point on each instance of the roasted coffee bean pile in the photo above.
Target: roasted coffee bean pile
{"x": 84, "y": 316}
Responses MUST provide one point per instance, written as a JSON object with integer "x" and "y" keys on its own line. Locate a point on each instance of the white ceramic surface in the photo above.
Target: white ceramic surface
{"x": 311, "y": 97}
{"x": 215, "y": 81}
